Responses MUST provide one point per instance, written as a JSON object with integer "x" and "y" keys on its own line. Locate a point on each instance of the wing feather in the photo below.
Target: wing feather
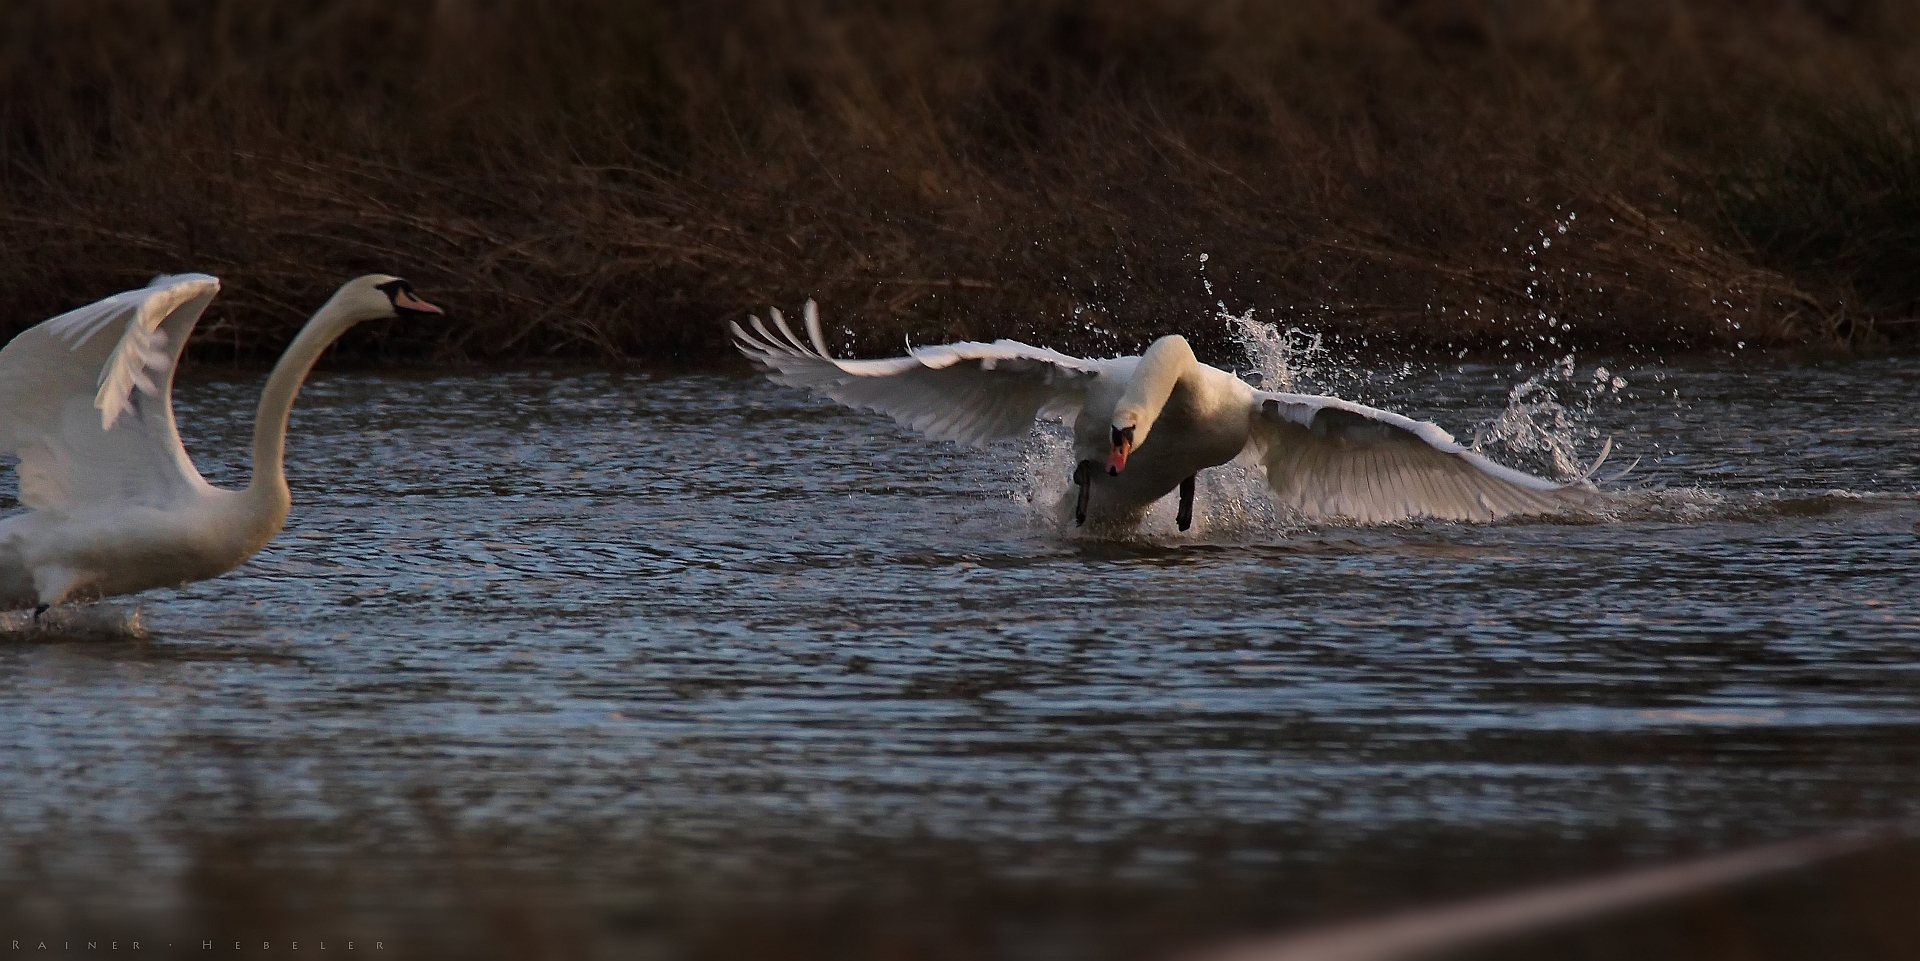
{"x": 85, "y": 400}
{"x": 971, "y": 393}
{"x": 1329, "y": 458}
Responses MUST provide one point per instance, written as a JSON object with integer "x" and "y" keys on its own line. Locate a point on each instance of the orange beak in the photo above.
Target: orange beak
{"x": 405, "y": 300}
{"x": 1117, "y": 461}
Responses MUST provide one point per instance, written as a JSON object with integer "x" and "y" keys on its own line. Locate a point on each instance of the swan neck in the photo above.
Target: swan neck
{"x": 1160, "y": 369}
{"x": 276, "y": 399}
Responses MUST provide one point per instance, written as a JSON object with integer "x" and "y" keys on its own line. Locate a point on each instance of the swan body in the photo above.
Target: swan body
{"x": 1144, "y": 426}
{"x": 115, "y": 505}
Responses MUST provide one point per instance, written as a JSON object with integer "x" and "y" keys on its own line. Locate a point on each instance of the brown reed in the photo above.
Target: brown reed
{"x": 597, "y": 179}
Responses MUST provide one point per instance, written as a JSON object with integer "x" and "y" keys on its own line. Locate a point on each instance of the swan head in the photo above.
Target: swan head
{"x": 1149, "y": 385}
{"x": 381, "y": 297}
{"x": 1129, "y": 430}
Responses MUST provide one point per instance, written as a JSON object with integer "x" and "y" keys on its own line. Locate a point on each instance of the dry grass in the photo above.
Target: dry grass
{"x": 607, "y": 179}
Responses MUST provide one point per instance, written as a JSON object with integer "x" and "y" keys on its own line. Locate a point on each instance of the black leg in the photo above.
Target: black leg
{"x": 1083, "y": 477}
{"x": 42, "y": 609}
{"x": 1186, "y": 502}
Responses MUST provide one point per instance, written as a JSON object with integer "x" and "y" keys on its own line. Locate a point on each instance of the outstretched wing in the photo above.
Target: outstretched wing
{"x": 85, "y": 398}
{"x": 968, "y": 392}
{"x": 1330, "y": 458}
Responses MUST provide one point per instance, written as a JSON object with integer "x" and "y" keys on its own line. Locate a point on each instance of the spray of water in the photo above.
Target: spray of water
{"x": 1047, "y": 464}
{"x": 1548, "y": 420}
{"x": 74, "y": 622}
{"x": 1547, "y": 425}
{"x": 1232, "y": 499}
{"x": 1290, "y": 360}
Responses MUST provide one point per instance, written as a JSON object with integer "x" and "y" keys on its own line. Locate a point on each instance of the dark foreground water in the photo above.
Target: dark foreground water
{"x": 669, "y": 667}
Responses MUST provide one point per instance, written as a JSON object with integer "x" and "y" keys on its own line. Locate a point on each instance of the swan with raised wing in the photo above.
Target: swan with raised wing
{"x": 1145, "y": 426}
{"x": 115, "y": 506}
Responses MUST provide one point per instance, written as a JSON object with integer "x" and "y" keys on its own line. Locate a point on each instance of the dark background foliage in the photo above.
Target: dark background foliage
{"x": 604, "y": 179}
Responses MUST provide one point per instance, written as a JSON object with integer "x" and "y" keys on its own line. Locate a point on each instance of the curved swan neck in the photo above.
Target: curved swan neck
{"x": 276, "y": 399}
{"x": 1160, "y": 368}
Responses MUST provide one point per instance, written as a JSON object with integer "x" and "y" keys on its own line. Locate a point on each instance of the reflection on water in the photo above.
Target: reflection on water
{"x": 702, "y": 637}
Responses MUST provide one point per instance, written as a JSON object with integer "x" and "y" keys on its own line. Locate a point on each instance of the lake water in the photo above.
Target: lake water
{"x": 696, "y": 666}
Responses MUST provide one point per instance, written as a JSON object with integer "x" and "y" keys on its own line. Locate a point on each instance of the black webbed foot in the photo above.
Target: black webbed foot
{"x": 1185, "y": 518}
{"x": 1083, "y": 478}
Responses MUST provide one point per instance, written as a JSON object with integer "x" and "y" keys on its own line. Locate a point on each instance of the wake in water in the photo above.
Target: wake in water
{"x": 1698, "y": 505}
{"x": 73, "y": 622}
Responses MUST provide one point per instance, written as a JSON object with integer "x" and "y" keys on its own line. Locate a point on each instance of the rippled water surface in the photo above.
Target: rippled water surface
{"x": 665, "y": 644}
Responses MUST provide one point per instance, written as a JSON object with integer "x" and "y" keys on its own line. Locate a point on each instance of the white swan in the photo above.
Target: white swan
{"x": 1146, "y": 425}
{"x": 115, "y": 505}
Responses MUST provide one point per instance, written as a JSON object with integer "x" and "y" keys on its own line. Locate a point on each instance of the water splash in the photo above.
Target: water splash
{"x": 1232, "y": 499}
{"x": 1291, "y": 359}
{"x": 1288, "y": 360}
{"x": 1046, "y": 460}
{"x": 1546, "y": 423}
{"x": 1549, "y": 418}
{"x": 74, "y": 622}
{"x": 1086, "y": 318}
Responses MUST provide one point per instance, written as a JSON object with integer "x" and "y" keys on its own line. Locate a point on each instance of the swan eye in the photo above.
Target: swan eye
{"x": 404, "y": 300}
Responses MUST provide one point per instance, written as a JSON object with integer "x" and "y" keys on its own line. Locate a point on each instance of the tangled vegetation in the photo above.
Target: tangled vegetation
{"x": 597, "y": 179}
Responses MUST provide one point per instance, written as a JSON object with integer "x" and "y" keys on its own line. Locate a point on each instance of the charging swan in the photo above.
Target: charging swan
{"x": 115, "y": 505}
{"x": 1143, "y": 426}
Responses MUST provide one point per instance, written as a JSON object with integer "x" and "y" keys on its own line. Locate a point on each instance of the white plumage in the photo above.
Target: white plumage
{"x": 66, "y": 384}
{"x": 114, "y": 503}
{"x": 1158, "y": 419}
